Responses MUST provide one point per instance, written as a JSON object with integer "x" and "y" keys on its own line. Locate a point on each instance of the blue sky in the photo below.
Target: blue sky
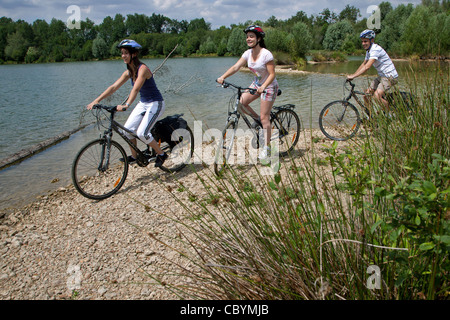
{"x": 217, "y": 12}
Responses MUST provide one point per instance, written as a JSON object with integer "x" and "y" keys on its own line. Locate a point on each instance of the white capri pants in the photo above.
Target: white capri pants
{"x": 143, "y": 118}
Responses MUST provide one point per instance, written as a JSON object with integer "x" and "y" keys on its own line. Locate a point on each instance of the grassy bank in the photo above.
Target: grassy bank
{"x": 364, "y": 219}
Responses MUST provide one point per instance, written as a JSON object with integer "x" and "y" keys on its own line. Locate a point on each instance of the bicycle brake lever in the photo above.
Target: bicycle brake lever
{"x": 224, "y": 84}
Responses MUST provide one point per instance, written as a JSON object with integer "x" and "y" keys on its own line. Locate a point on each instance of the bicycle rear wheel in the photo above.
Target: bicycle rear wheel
{"x": 97, "y": 171}
{"x": 287, "y": 123}
{"x": 181, "y": 153}
{"x": 339, "y": 120}
{"x": 225, "y": 148}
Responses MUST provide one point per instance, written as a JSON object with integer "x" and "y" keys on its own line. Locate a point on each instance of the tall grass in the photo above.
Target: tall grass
{"x": 364, "y": 220}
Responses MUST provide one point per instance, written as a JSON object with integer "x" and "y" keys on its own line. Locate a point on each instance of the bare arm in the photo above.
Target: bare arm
{"x": 241, "y": 62}
{"x": 111, "y": 89}
{"x": 363, "y": 68}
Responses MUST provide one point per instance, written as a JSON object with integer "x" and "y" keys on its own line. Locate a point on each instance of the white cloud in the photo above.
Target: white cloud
{"x": 217, "y": 12}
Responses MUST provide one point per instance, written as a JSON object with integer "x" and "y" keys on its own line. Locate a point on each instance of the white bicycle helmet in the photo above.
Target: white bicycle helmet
{"x": 367, "y": 34}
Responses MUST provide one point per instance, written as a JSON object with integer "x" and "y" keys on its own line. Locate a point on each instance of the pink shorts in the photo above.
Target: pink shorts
{"x": 271, "y": 91}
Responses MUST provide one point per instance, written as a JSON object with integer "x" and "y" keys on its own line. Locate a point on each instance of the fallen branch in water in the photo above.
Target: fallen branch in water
{"x": 28, "y": 152}
{"x": 162, "y": 64}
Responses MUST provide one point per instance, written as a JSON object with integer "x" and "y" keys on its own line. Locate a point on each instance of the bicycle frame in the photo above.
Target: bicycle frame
{"x": 142, "y": 160}
{"x": 238, "y": 110}
{"x": 354, "y": 94}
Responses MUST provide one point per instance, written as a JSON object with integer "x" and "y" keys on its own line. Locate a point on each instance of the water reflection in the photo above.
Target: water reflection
{"x": 188, "y": 86}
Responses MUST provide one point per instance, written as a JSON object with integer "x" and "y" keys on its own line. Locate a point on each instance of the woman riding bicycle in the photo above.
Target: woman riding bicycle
{"x": 387, "y": 74}
{"x": 151, "y": 106}
{"x": 260, "y": 62}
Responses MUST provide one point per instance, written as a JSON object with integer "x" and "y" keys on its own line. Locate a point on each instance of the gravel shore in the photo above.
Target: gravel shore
{"x": 64, "y": 246}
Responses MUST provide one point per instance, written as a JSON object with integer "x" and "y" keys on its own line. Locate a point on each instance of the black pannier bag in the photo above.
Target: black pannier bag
{"x": 163, "y": 129}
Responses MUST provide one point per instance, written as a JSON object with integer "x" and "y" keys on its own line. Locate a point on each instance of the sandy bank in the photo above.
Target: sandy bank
{"x": 64, "y": 243}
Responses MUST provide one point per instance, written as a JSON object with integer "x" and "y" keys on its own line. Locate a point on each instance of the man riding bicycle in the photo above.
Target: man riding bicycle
{"x": 387, "y": 74}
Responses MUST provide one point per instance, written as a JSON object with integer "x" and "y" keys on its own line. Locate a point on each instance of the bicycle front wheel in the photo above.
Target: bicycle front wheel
{"x": 287, "y": 124}
{"x": 339, "y": 120}
{"x": 99, "y": 170}
{"x": 180, "y": 151}
{"x": 225, "y": 148}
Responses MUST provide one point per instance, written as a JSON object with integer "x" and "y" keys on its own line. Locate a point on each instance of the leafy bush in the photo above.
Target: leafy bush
{"x": 320, "y": 227}
{"x": 336, "y": 35}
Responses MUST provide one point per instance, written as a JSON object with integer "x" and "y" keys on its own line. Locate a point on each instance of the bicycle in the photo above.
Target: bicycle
{"x": 284, "y": 121}
{"x": 100, "y": 168}
{"x": 340, "y": 120}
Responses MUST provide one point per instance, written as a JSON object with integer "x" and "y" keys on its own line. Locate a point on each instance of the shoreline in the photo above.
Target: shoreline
{"x": 410, "y": 58}
{"x": 63, "y": 236}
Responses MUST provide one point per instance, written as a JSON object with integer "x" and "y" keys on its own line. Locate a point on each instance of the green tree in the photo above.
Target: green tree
{"x": 418, "y": 33}
{"x": 198, "y": 24}
{"x": 301, "y": 40}
{"x": 32, "y": 55}
{"x": 236, "y": 42}
{"x": 6, "y": 27}
{"x": 222, "y": 47}
{"x": 336, "y": 34}
{"x": 100, "y": 49}
{"x": 179, "y": 26}
{"x": 40, "y": 31}
{"x": 351, "y": 43}
{"x": 272, "y": 22}
{"x": 276, "y": 40}
{"x": 326, "y": 17}
{"x": 392, "y": 27}
{"x": 425, "y": 32}
{"x": 106, "y": 30}
{"x": 119, "y": 30}
{"x": 16, "y": 47}
{"x": 137, "y": 23}
{"x": 349, "y": 13}
{"x": 191, "y": 44}
{"x": 300, "y": 16}
{"x": 157, "y": 23}
{"x": 208, "y": 47}
{"x": 385, "y": 8}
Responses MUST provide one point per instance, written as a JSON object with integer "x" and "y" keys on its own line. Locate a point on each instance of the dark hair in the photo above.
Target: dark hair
{"x": 262, "y": 44}
{"x": 134, "y": 61}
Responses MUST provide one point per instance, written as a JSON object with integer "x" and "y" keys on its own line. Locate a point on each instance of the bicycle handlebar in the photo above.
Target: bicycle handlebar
{"x": 228, "y": 84}
{"x": 352, "y": 90}
{"x": 351, "y": 83}
{"x": 107, "y": 108}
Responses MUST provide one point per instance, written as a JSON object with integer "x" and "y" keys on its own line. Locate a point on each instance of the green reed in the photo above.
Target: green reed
{"x": 325, "y": 225}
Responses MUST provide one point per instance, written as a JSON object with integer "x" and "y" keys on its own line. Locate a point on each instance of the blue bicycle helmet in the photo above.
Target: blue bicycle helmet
{"x": 367, "y": 34}
{"x": 129, "y": 44}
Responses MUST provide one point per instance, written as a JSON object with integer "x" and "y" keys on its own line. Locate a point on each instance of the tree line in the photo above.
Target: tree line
{"x": 423, "y": 30}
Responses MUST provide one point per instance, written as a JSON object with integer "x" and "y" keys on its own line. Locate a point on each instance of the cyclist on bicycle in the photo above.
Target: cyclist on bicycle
{"x": 387, "y": 74}
{"x": 260, "y": 61}
{"x": 151, "y": 106}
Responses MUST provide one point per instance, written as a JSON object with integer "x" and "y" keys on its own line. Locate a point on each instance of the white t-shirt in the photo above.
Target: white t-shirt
{"x": 258, "y": 67}
{"x": 383, "y": 62}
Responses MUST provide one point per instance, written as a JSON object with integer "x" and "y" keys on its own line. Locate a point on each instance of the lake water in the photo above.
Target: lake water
{"x": 40, "y": 101}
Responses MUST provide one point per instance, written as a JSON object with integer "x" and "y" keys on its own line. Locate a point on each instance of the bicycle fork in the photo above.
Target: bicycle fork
{"x": 105, "y": 154}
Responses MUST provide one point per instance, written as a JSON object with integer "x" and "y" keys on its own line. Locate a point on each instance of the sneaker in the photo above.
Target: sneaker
{"x": 160, "y": 160}
{"x": 129, "y": 158}
{"x": 264, "y": 155}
